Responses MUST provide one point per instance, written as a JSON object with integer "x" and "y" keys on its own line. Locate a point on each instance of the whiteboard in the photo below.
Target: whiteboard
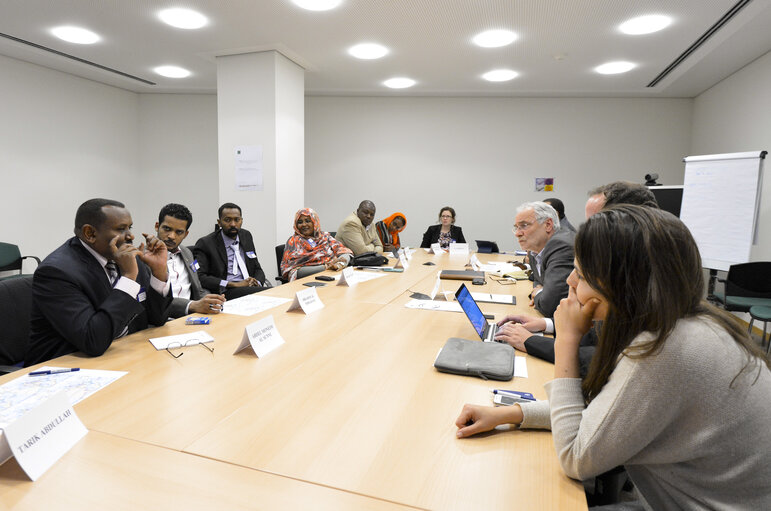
{"x": 721, "y": 200}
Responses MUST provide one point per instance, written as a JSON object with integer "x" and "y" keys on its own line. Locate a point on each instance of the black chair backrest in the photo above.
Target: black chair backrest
{"x": 15, "y": 304}
{"x": 279, "y": 257}
{"x": 749, "y": 279}
{"x": 10, "y": 257}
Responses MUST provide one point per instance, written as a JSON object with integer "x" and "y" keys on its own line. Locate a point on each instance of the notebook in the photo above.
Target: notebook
{"x": 461, "y": 274}
{"x": 485, "y": 330}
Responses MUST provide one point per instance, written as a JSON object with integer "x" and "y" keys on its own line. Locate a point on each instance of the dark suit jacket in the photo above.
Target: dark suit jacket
{"x": 74, "y": 307}
{"x": 543, "y": 348}
{"x": 432, "y": 235}
{"x": 178, "y": 305}
{"x": 556, "y": 265}
{"x": 213, "y": 259}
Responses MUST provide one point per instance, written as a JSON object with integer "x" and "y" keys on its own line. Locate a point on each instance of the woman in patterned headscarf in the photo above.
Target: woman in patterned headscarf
{"x": 388, "y": 231}
{"x": 311, "y": 250}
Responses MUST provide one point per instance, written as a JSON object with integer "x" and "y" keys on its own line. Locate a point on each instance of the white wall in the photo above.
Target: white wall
{"x": 178, "y": 159}
{"x": 734, "y": 116}
{"x": 481, "y": 155}
{"x": 63, "y": 140}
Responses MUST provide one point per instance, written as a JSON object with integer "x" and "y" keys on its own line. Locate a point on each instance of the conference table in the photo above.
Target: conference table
{"x": 349, "y": 413}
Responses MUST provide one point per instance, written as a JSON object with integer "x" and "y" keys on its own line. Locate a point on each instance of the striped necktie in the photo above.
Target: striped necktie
{"x": 112, "y": 270}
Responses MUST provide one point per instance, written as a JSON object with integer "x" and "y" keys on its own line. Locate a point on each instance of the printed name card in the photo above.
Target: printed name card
{"x": 308, "y": 300}
{"x": 44, "y": 434}
{"x": 347, "y": 278}
{"x": 262, "y": 335}
{"x": 402, "y": 262}
{"x": 475, "y": 264}
{"x": 407, "y": 252}
{"x": 458, "y": 248}
{"x": 438, "y": 290}
{"x": 436, "y": 248}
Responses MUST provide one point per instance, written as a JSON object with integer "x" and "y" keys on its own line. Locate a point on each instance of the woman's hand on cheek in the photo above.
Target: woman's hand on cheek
{"x": 571, "y": 319}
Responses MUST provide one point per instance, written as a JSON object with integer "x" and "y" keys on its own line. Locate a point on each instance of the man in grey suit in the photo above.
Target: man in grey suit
{"x": 172, "y": 227}
{"x": 550, "y": 251}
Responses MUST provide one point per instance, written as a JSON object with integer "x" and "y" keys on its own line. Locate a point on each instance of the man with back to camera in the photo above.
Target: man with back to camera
{"x": 518, "y": 330}
{"x": 559, "y": 207}
{"x": 97, "y": 286}
{"x": 357, "y": 231}
{"x": 550, "y": 251}
{"x": 172, "y": 227}
{"x": 226, "y": 258}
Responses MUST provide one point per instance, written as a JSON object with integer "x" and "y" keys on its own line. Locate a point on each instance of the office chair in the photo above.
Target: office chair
{"x": 11, "y": 259}
{"x": 761, "y": 313}
{"x": 16, "y": 305}
{"x": 333, "y": 233}
{"x": 279, "y": 257}
{"x": 746, "y": 285}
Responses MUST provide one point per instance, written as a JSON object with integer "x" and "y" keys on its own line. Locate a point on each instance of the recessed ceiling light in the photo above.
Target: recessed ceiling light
{"x": 317, "y": 5}
{"x": 172, "y": 71}
{"x": 494, "y": 38}
{"x": 645, "y": 24}
{"x": 75, "y": 35}
{"x": 614, "y": 68}
{"x": 183, "y": 18}
{"x": 399, "y": 83}
{"x": 500, "y": 75}
{"x": 368, "y": 51}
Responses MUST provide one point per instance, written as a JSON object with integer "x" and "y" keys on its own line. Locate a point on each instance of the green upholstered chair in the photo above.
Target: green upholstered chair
{"x": 761, "y": 313}
{"x": 746, "y": 285}
{"x": 11, "y": 259}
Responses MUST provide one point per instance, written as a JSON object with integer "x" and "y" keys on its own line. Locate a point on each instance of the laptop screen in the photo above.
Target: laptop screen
{"x": 472, "y": 310}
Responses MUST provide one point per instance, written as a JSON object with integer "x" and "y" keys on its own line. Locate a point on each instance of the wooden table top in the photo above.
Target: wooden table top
{"x": 350, "y": 405}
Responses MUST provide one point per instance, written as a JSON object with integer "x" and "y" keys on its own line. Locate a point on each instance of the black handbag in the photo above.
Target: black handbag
{"x": 369, "y": 259}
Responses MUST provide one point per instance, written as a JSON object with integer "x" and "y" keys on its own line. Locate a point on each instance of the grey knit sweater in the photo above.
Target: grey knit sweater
{"x": 688, "y": 437}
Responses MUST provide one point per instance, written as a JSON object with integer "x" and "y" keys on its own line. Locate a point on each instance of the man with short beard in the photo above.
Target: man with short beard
{"x": 226, "y": 258}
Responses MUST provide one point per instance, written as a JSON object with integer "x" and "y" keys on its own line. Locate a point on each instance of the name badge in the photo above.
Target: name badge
{"x": 195, "y": 266}
{"x": 251, "y": 255}
{"x": 142, "y": 295}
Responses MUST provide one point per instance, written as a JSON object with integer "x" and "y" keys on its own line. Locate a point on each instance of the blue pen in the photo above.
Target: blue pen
{"x": 54, "y": 371}
{"x": 515, "y": 393}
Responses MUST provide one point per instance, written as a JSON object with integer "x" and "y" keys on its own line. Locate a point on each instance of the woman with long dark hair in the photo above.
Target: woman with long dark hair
{"x": 677, "y": 392}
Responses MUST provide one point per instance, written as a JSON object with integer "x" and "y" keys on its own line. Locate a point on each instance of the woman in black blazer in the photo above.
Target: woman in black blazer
{"x": 444, "y": 233}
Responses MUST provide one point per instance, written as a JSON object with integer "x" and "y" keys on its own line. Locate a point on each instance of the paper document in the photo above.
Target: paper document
{"x": 27, "y": 392}
{"x": 177, "y": 341}
{"x": 520, "y": 367}
{"x": 252, "y": 304}
{"x": 432, "y": 305}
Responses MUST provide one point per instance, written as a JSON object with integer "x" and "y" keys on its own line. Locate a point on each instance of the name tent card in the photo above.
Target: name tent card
{"x": 347, "y": 278}
{"x": 475, "y": 263}
{"x": 436, "y": 248}
{"x": 458, "y": 248}
{"x": 44, "y": 434}
{"x": 262, "y": 335}
{"x": 439, "y": 289}
{"x": 402, "y": 262}
{"x": 308, "y": 300}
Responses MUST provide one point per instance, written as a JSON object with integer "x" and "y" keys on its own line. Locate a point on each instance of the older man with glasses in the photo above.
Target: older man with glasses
{"x": 550, "y": 252}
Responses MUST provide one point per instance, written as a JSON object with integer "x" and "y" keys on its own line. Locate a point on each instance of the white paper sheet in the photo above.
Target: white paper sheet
{"x": 252, "y": 304}
{"x": 432, "y": 305}
{"x": 19, "y": 396}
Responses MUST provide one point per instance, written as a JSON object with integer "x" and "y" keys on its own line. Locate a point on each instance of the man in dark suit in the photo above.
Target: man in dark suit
{"x": 550, "y": 251}
{"x": 172, "y": 227}
{"x": 521, "y": 331}
{"x": 97, "y": 286}
{"x": 227, "y": 260}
